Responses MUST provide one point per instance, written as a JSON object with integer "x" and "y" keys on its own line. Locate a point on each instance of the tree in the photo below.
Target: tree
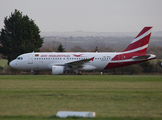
{"x": 19, "y": 35}
{"x": 60, "y": 48}
{"x": 147, "y": 66}
{"x": 49, "y": 46}
{"x": 77, "y": 49}
{"x": 96, "y": 50}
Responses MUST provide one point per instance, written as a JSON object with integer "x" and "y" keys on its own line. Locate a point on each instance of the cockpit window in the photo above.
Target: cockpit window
{"x": 20, "y": 58}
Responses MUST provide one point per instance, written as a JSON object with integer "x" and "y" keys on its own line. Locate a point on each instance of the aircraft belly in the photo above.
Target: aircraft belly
{"x": 99, "y": 65}
{"x": 40, "y": 65}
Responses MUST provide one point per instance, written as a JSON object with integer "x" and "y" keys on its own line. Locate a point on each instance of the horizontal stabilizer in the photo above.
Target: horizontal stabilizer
{"x": 143, "y": 57}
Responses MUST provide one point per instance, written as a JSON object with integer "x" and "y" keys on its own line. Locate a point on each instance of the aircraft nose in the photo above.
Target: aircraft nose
{"x": 13, "y": 64}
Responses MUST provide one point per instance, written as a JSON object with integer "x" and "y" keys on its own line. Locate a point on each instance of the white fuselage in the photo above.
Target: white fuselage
{"x": 45, "y": 61}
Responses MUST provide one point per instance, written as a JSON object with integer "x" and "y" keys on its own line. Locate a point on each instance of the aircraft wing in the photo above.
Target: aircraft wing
{"x": 79, "y": 63}
{"x": 143, "y": 57}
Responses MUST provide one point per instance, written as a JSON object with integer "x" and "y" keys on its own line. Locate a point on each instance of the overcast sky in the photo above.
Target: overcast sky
{"x": 87, "y": 15}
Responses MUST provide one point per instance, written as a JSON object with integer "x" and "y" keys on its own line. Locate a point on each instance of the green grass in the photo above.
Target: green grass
{"x": 3, "y": 62}
{"x": 111, "y": 97}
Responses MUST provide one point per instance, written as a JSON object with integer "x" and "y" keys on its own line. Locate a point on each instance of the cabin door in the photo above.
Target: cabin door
{"x": 30, "y": 59}
{"x": 120, "y": 58}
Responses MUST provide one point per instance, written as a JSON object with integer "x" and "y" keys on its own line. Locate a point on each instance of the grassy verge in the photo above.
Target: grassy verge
{"x": 111, "y": 97}
{"x": 3, "y": 62}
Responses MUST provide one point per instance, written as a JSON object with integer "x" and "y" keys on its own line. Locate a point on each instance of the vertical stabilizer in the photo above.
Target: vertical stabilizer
{"x": 140, "y": 42}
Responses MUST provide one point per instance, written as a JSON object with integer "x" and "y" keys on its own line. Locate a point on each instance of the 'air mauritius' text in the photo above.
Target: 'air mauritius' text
{"x": 55, "y": 56}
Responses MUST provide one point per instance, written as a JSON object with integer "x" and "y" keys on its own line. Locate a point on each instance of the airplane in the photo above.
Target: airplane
{"x": 59, "y": 62}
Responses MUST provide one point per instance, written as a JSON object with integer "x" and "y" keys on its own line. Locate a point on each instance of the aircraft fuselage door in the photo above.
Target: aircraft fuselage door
{"x": 120, "y": 58}
{"x": 30, "y": 59}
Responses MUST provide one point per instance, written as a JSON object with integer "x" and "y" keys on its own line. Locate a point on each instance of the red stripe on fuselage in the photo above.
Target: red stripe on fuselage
{"x": 126, "y": 56}
{"x": 121, "y": 63}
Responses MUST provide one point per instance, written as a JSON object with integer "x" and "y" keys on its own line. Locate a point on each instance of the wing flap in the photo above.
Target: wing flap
{"x": 79, "y": 62}
{"x": 74, "y": 64}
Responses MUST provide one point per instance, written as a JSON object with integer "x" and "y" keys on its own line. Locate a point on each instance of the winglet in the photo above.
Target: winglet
{"x": 92, "y": 58}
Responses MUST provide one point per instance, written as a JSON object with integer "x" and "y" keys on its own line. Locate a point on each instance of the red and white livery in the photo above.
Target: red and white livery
{"x": 58, "y": 63}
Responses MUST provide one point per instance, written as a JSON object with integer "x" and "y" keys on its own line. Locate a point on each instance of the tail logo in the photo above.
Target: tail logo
{"x": 140, "y": 43}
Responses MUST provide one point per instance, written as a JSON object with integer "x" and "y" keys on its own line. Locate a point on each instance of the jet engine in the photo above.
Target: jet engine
{"x": 57, "y": 70}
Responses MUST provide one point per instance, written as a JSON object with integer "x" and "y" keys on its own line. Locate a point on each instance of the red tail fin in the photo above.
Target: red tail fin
{"x": 140, "y": 42}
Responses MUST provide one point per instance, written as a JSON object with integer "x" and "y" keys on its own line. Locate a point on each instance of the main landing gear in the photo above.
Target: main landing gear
{"x": 77, "y": 72}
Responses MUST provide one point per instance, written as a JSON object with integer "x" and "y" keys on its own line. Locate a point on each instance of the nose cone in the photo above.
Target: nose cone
{"x": 13, "y": 64}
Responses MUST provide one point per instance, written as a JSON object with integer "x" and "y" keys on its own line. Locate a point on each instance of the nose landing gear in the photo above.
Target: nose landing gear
{"x": 31, "y": 72}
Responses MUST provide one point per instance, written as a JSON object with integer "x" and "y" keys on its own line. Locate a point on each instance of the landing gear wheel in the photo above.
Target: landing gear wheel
{"x": 31, "y": 72}
{"x": 78, "y": 74}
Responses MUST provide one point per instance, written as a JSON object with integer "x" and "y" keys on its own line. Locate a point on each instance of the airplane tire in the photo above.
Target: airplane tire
{"x": 78, "y": 74}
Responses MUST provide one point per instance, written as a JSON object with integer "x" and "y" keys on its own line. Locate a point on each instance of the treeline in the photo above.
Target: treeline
{"x": 86, "y": 42}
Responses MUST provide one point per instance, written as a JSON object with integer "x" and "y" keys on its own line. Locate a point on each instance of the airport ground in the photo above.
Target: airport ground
{"x": 112, "y": 97}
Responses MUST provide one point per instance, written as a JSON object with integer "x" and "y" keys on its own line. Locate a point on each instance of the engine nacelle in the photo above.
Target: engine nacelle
{"x": 57, "y": 70}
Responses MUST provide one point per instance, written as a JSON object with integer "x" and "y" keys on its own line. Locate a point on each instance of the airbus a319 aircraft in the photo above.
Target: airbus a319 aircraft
{"x": 59, "y": 62}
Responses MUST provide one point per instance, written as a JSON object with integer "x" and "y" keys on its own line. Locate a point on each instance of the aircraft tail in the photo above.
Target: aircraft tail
{"x": 140, "y": 42}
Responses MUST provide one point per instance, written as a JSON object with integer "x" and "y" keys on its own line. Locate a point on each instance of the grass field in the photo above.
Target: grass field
{"x": 111, "y": 97}
{"x": 3, "y": 62}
